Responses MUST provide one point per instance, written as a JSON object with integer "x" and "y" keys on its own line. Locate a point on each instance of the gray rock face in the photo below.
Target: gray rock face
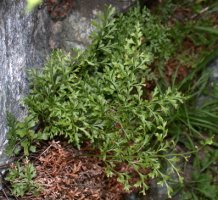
{"x": 214, "y": 69}
{"x": 24, "y": 40}
{"x": 74, "y": 30}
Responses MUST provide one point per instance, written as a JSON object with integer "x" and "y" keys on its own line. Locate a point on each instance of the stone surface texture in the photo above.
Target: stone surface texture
{"x": 74, "y": 30}
{"x": 24, "y": 43}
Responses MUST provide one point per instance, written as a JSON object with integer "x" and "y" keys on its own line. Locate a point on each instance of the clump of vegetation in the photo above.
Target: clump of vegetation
{"x": 21, "y": 178}
{"x": 100, "y": 97}
{"x": 126, "y": 98}
{"x": 194, "y": 126}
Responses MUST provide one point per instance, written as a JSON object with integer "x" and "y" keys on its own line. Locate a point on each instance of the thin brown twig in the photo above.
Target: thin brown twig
{"x": 200, "y": 13}
{"x": 8, "y": 188}
{"x": 46, "y": 150}
{"x": 6, "y": 196}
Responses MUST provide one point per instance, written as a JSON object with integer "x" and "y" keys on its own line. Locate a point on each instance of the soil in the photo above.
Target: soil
{"x": 65, "y": 173}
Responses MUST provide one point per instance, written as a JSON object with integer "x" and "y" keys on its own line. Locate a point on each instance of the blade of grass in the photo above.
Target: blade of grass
{"x": 207, "y": 29}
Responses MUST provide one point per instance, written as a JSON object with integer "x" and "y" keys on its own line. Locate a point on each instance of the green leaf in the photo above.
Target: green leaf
{"x": 42, "y": 136}
{"x": 22, "y": 132}
{"x": 207, "y": 29}
{"x": 25, "y": 144}
{"x": 208, "y": 141}
{"x": 32, "y": 148}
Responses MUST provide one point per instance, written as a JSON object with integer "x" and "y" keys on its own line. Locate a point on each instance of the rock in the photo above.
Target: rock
{"x": 213, "y": 66}
{"x": 24, "y": 44}
{"x": 74, "y": 30}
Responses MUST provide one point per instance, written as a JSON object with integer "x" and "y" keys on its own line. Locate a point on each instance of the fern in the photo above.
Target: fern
{"x": 99, "y": 96}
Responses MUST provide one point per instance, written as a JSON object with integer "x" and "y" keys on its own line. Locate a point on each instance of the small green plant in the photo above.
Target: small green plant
{"x": 194, "y": 125}
{"x": 22, "y": 136}
{"x": 201, "y": 183}
{"x": 21, "y": 178}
